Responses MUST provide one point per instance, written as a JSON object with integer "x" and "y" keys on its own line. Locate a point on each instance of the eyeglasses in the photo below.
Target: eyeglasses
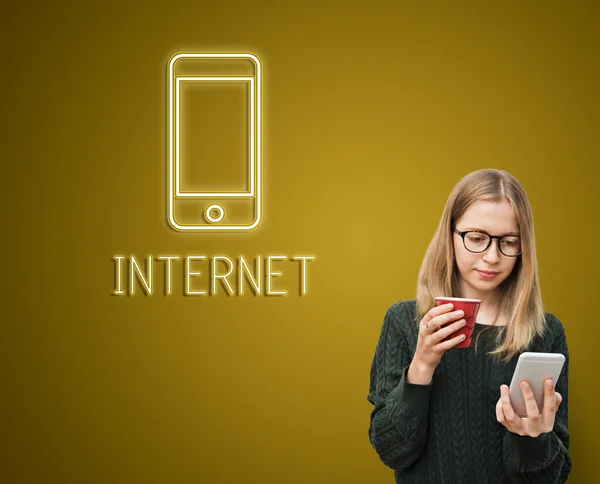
{"x": 509, "y": 245}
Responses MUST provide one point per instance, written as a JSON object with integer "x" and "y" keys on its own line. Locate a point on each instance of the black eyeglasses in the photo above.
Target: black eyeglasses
{"x": 477, "y": 242}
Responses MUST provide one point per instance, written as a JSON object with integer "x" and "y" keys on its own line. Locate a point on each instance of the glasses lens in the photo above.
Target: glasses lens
{"x": 510, "y": 246}
{"x": 476, "y": 241}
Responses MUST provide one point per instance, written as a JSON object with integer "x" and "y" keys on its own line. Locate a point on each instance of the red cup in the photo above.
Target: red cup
{"x": 470, "y": 308}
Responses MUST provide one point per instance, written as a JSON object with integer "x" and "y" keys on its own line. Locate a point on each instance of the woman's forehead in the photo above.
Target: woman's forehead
{"x": 495, "y": 217}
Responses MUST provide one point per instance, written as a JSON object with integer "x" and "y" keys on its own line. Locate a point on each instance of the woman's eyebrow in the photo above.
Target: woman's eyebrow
{"x": 477, "y": 229}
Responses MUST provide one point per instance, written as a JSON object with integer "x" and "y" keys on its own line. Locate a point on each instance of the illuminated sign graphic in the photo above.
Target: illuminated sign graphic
{"x": 204, "y": 208}
{"x": 214, "y": 181}
{"x": 221, "y": 269}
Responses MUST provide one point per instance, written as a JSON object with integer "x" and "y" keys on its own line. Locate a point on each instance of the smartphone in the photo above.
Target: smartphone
{"x": 535, "y": 368}
{"x": 214, "y": 142}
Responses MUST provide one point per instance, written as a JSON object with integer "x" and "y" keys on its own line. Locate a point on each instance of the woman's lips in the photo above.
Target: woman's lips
{"x": 487, "y": 274}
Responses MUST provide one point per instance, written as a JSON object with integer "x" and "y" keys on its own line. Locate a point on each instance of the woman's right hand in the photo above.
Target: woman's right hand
{"x": 430, "y": 344}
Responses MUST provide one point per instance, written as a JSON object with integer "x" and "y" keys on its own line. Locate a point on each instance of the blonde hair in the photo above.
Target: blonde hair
{"x": 522, "y": 300}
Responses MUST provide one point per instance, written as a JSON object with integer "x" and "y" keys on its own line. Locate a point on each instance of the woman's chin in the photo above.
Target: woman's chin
{"x": 484, "y": 286}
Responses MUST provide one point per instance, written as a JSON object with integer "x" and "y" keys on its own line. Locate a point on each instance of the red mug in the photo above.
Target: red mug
{"x": 470, "y": 308}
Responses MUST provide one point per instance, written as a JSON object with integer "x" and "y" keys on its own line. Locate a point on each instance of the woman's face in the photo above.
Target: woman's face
{"x": 482, "y": 273}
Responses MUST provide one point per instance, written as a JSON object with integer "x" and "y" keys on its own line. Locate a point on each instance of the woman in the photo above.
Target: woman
{"x": 444, "y": 414}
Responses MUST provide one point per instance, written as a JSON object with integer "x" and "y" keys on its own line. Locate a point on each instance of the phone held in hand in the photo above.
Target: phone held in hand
{"x": 535, "y": 368}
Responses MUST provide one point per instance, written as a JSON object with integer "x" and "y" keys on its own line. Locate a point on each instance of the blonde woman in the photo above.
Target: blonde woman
{"x": 443, "y": 414}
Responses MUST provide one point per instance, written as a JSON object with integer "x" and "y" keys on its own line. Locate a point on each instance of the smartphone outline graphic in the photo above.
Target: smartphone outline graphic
{"x": 210, "y": 200}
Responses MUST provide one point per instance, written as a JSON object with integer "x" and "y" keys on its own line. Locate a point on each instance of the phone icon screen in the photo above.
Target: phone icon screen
{"x": 214, "y": 147}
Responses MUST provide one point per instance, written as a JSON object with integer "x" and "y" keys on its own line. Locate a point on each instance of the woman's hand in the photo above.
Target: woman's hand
{"x": 430, "y": 347}
{"x": 535, "y": 423}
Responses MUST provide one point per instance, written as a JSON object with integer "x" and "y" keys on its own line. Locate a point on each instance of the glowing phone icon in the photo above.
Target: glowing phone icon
{"x": 214, "y": 152}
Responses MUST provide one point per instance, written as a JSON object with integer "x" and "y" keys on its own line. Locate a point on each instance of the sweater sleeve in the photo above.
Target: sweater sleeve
{"x": 544, "y": 459}
{"x": 398, "y": 426}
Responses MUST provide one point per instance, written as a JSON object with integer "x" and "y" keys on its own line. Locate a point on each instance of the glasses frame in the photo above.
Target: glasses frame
{"x": 492, "y": 237}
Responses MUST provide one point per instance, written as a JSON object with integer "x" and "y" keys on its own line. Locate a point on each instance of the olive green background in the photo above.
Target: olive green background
{"x": 372, "y": 112}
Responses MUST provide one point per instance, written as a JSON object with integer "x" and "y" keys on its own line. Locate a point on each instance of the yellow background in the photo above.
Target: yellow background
{"x": 372, "y": 112}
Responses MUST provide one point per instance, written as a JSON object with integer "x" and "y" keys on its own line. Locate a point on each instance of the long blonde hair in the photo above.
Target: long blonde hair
{"x": 522, "y": 300}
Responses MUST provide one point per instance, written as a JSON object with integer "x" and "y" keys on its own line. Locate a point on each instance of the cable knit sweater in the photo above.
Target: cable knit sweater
{"x": 447, "y": 432}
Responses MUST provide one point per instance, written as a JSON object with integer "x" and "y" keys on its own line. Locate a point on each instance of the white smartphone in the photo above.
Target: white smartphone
{"x": 535, "y": 368}
{"x": 214, "y": 133}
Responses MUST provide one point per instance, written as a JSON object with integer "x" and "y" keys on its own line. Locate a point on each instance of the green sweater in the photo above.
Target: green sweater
{"x": 447, "y": 432}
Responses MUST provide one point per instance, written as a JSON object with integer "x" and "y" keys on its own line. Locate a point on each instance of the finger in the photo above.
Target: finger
{"x": 436, "y": 311}
{"x": 507, "y": 408}
{"x": 531, "y": 406}
{"x": 451, "y": 343}
{"x": 510, "y": 424}
{"x": 448, "y": 330}
{"x": 499, "y": 412}
{"x": 427, "y": 327}
{"x": 550, "y": 404}
{"x": 558, "y": 398}
{"x": 446, "y": 318}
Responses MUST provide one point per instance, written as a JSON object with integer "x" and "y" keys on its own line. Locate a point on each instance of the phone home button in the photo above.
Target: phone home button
{"x": 215, "y": 207}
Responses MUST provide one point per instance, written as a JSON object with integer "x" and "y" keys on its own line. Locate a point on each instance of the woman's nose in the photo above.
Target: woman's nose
{"x": 493, "y": 251}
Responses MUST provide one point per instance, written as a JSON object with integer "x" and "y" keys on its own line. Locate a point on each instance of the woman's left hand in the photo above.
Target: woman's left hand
{"x": 535, "y": 423}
